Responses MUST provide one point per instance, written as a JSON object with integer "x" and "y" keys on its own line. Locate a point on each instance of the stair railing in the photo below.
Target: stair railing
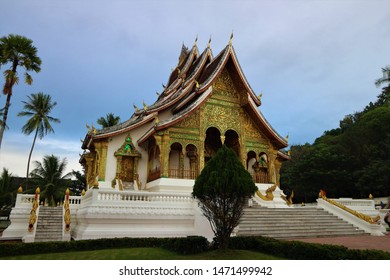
{"x": 67, "y": 217}
{"x": 364, "y": 217}
{"x": 33, "y": 212}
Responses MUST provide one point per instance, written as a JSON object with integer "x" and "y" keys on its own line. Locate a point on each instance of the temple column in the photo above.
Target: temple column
{"x": 181, "y": 164}
{"x": 101, "y": 148}
{"x": 165, "y": 155}
{"x": 201, "y": 154}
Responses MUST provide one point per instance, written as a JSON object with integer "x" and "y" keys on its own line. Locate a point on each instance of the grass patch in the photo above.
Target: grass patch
{"x": 146, "y": 254}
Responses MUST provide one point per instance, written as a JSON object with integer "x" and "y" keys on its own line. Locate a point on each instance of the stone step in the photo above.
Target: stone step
{"x": 285, "y": 223}
{"x": 49, "y": 225}
{"x": 303, "y": 235}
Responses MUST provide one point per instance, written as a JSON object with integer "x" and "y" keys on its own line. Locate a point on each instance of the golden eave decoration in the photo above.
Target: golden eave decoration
{"x": 127, "y": 148}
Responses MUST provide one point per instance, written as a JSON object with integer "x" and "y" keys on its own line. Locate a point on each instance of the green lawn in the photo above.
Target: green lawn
{"x": 146, "y": 254}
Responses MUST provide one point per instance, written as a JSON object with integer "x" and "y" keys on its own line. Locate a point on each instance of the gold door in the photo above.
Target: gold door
{"x": 127, "y": 174}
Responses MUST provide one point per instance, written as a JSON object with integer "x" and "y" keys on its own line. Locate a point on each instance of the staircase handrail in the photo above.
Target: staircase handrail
{"x": 33, "y": 212}
{"x": 67, "y": 211}
{"x": 364, "y": 217}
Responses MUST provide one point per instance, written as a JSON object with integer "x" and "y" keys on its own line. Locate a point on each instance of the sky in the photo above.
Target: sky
{"x": 314, "y": 61}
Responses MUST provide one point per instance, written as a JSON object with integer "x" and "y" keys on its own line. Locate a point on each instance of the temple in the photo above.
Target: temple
{"x": 140, "y": 173}
{"x": 206, "y": 102}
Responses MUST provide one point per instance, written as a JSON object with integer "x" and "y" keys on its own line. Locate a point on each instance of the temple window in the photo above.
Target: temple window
{"x": 232, "y": 141}
{"x": 154, "y": 165}
{"x": 176, "y": 161}
{"x": 212, "y": 143}
{"x": 191, "y": 162}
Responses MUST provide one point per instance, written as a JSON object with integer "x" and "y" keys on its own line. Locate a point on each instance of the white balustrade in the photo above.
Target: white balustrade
{"x": 149, "y": 197}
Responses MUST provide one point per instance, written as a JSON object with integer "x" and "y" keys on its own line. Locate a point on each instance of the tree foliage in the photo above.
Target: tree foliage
{"x": 16, "y": 51}
{"x": 222, "y": 189}
{"x": 109, "y": 120}
{"x": 49, "y": 176}
{"x": 352, "y": 160}
{"x": 37, "y": 108}
{"x": 6, "y": 190}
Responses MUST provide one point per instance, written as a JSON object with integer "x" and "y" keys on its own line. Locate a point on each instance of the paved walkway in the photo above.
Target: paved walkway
{"x": 355, "y": 242}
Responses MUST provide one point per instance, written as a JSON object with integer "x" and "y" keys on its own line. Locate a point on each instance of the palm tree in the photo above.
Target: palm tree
{"x": 38, "y": 108}
{"x": 6, "y": 192}
{"x": 49, "y": 175}
{"x": 385, "y": 78}
{"x": 17, "y": 51}
{"x": 109, "y": 120}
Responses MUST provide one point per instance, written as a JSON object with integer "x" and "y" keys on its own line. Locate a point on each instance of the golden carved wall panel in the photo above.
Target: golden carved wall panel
{"x": 192, "y": 121}
{"x": 252, "y": 132}
{"x": 223, "y": 117}
{"x": 224, "y": 86}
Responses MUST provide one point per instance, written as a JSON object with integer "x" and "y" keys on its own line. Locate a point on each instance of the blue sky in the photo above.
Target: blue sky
{"x": 314, "y": 61}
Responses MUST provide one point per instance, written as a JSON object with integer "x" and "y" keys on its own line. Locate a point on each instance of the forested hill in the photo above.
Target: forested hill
{"x": 350, "y": 161}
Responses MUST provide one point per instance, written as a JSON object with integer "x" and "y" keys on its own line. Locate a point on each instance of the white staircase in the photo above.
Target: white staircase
{"x": 290, "y": 223}
{"x": 49, "y": 224}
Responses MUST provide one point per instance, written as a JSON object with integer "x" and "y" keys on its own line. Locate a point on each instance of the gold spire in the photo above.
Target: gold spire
{"x": 93, "y": 130}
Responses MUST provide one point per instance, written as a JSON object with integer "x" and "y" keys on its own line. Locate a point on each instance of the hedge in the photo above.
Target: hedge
{"x": 293, "y": 250}
{"x": 297, "y": 250}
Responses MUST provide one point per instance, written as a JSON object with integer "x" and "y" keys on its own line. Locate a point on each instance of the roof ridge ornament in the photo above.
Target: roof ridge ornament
{"x": 136, "y": 108}
{"x": 231, "y": 39}
{"x": 208, "y": 44}
{"x": 196, "y": 40}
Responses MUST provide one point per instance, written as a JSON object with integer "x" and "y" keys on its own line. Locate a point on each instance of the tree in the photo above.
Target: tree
{"x": 109, "y": 120}
{"x": 386, "y": 77}
{"x": 6, "y": 195}
{"x": 18, "y": 51}
{"x": 223, "y": 188}
{"x": 49, "y": 175}
{"x": 80, "y": 183}
{"x": 38, "y": 108}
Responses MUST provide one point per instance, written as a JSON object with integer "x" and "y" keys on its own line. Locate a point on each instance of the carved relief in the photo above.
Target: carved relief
{"x": 224, "y": 86}
{"x": 252, "y": 131}
{"x": 192, "y": 121}
{"x": 223, "y": 117}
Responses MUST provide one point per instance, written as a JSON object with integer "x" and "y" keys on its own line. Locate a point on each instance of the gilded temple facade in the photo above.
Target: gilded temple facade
{"x": 206, "y": 103}
{"x": 141, "y": 173}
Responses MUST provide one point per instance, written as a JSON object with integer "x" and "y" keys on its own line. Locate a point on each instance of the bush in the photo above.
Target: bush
{"x": 184, "y": 245}
{"x": 296, "y": 250}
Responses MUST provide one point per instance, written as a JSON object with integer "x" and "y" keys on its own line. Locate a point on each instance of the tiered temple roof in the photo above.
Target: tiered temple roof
{"x": 188, "y": 87}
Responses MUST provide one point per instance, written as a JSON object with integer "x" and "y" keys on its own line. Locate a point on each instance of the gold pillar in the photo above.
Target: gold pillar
{"x": 165, "y": 154}
{"x": 102, "y": 148}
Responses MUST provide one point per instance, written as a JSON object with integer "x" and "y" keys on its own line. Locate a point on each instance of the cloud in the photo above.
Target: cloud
{"x": 15, "y": 150}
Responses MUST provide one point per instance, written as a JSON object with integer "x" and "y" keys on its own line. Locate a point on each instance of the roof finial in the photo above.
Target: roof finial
{"x": 196, "y": 40}
{"x": 208, "y": 44}
{"x": 196, "y": 84}
{"x": 136, "y": 108}
{"x": 145, "y": 106}
{"x": 231, "y": 39}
